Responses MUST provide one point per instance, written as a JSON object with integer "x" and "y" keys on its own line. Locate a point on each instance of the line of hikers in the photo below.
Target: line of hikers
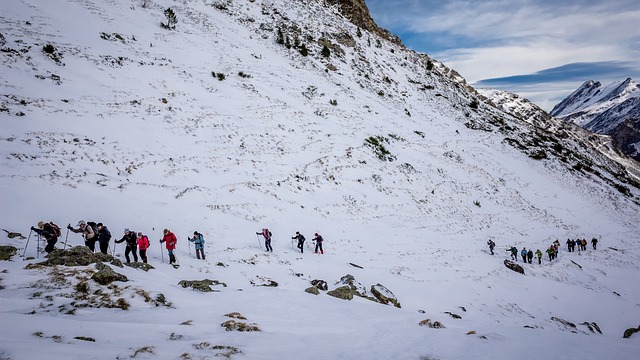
{"x": 138, "y": 243}
{"x": 552, "y": 251}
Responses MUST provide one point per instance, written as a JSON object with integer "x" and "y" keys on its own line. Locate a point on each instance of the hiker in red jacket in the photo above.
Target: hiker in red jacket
{"x": 170, "y": 241}
{"x": 143, "y": 245}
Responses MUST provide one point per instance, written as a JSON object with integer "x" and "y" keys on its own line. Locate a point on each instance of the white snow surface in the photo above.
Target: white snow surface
{"x": 137, "y": 133}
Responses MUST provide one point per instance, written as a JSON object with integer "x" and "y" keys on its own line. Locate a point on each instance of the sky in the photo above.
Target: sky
{"x": 540, "y": 49}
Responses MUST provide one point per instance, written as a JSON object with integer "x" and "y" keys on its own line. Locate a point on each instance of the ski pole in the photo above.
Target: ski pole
{"x": 25, "y": 247}
{"x": 38, "y": 253}
{"x": 65, "y": 240}
{"x": 114, "y": 249}
{"x": 259, "y": 243}
{"x": 189, "y": 247}
{"x": 162, "y": 251}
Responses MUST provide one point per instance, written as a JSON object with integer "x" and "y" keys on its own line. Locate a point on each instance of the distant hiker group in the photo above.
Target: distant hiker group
{"x": 138, "y": 243}
{"x": 552, "y": 251}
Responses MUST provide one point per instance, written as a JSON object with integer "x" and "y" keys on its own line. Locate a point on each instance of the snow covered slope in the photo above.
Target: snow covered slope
{"x": 217, "y": 127}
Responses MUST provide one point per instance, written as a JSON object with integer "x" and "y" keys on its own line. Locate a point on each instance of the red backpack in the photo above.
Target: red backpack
{"x": 56, "y": 229}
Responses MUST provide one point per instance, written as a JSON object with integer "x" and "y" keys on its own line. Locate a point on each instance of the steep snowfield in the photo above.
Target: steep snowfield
{"x": 132, "y": 129}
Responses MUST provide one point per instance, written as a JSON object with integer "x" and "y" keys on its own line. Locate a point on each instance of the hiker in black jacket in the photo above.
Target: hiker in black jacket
{"x": 47, "y": 231}
{"x": 301, "y": 240}
{"x": 104, "y": 236}
{"x": 132, "y": 244}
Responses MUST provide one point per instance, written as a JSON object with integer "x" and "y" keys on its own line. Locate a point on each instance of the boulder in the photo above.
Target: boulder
{"x": 630, "y": 331}
{"x": 312, "y": 290}
{"x": 140, "y": 266}
{"x": 384, "y": 295}
{"x": 76, "y": 256}
{"x": 201, "y": 285}
{"x": 343, "y": 292}
{"x": 320, "y": 284}
{"x": 105, "y": 275}
{"x": 6, "y": 252}
{"x": 513, "y": 266}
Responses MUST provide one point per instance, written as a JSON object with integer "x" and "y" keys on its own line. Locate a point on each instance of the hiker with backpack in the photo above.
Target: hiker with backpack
{"x": 104, "y": 236}
{"x": 318, "y": 240}
{"x": 88, "y": 234}
{"x": 143, "y": 245}
{"x": 523, "y": 253}
{"x": 267, "y": 239}
{"x": 539, "y": 255}
{"x": 170, "y": 241}
{"x": 132, "y": 242}
{"x": 514, "y": 253}
{"x": 301, "y": 241}
{"x": 198, "y": 240}
{"x": 491, "y": 245}
{"x": 50, "y": 232}
{"x": 594, "y": 243}
{"x": 530, "y": 256}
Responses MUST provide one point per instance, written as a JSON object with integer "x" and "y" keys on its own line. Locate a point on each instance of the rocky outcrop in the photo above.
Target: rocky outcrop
{"x": 630, "y": 331}
{"x": 76, "y": 256}
{"x": 433, "y": 325}
{"x": 358, "y": 13}
{"x": 384, "y": 295}
{"x": 201, "y": 285}
{"x": 320, "y": 284}
{"x": 513, "y": 266}
{"x": 6, "y": 252}
{"x": 105, "y": 275}
{"x": 140, "y": 266}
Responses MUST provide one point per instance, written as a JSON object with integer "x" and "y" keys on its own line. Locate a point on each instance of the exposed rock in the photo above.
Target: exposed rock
{"x": 358, "y": 13}
{"x": 567, "y": 324}
{"x": 6, "y": 252}
{"x": 235, "y": 315}
{"x": 312, "y": 290}
{"x": 630, "y": 331}
{"x": 513, "y": 266}
{"x": 76, "y": 256}
{"x": 433, "y": 325}
{"x": 105, "y": 275}
{"x": 320, "y": 284}
{"x": 201, "y": 285}
{"x": 455, "y": 316}
{"x": 593, "y": 327}
{"x": 232, "y": 325}
{"x": 384, "y": 295}
{"x": 140, "y": 266}
{"x": 356, "y": 265}
{"x": 343, "y": 292}
{"x": 11, "y": 234}
{"x": 264, "y": 281}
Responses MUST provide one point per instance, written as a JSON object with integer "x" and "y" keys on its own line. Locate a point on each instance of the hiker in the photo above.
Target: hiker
{"x": 491, "y": 245}
{"x": 556, "y": 244}
{"x": 318, "y": 239}
{"x": 584, "y": 244}
{"x": 594, "y": 243}
{"x": 170, "y": 239}
{"x": 104, "y": 236}
{"x": 530, "y": 256}
{"x": 539, "y": 255}
{"x": 523, "y": 253}
{"x": 132, "y": 242}
{"x": 267, "y": 239}
{"x": 198, "y": 240}
{"x": 301, "y": 240}
{"x": 88, "y": 234}
{"x": 143, "y": 245}
{"x": 550, "y": 252}
{"x": 50, "y": 232}
{"x": 555, "y": 251}
{"x": 514, "y": 253}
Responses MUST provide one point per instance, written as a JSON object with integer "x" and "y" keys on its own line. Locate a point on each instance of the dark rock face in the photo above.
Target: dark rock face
{"x": 358, "y": 13}
{"x": 626, "y": 137}
{"x": 630, "y": 331}
{"x": 320, "y": 284}
{"x": 513, "y": 266}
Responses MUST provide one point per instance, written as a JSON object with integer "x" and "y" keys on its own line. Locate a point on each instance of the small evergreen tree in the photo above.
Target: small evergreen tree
{"x": 280, "y": 39}
{"x": 303, "y": 50}
{"x": 296, "y": 41}
{"x": 172, "y": 20}
{"x": 325, "y": 51}
{"x": 359, "y": 33}
{"x": 287, "y": 42}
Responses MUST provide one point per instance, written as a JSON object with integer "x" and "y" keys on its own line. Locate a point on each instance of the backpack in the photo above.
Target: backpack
{"x": 269, "y": 231}
{"x": 145, "y": 241}
{"x": 107, "y": 233}
{"x": 56, "y": 229}
{"x": 94, "y": 227}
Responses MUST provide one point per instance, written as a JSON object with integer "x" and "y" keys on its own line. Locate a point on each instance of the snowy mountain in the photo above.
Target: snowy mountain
{"x": 611, "y": 110}
{"x": 292, "y": 116}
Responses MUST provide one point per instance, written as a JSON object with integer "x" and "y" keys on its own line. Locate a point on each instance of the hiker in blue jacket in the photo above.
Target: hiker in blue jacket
{"x": 198, "y": 240}
{"x": 523, "y": 253}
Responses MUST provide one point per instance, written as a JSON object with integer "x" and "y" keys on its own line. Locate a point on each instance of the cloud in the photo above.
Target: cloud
{"x": 511, "y": 41}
